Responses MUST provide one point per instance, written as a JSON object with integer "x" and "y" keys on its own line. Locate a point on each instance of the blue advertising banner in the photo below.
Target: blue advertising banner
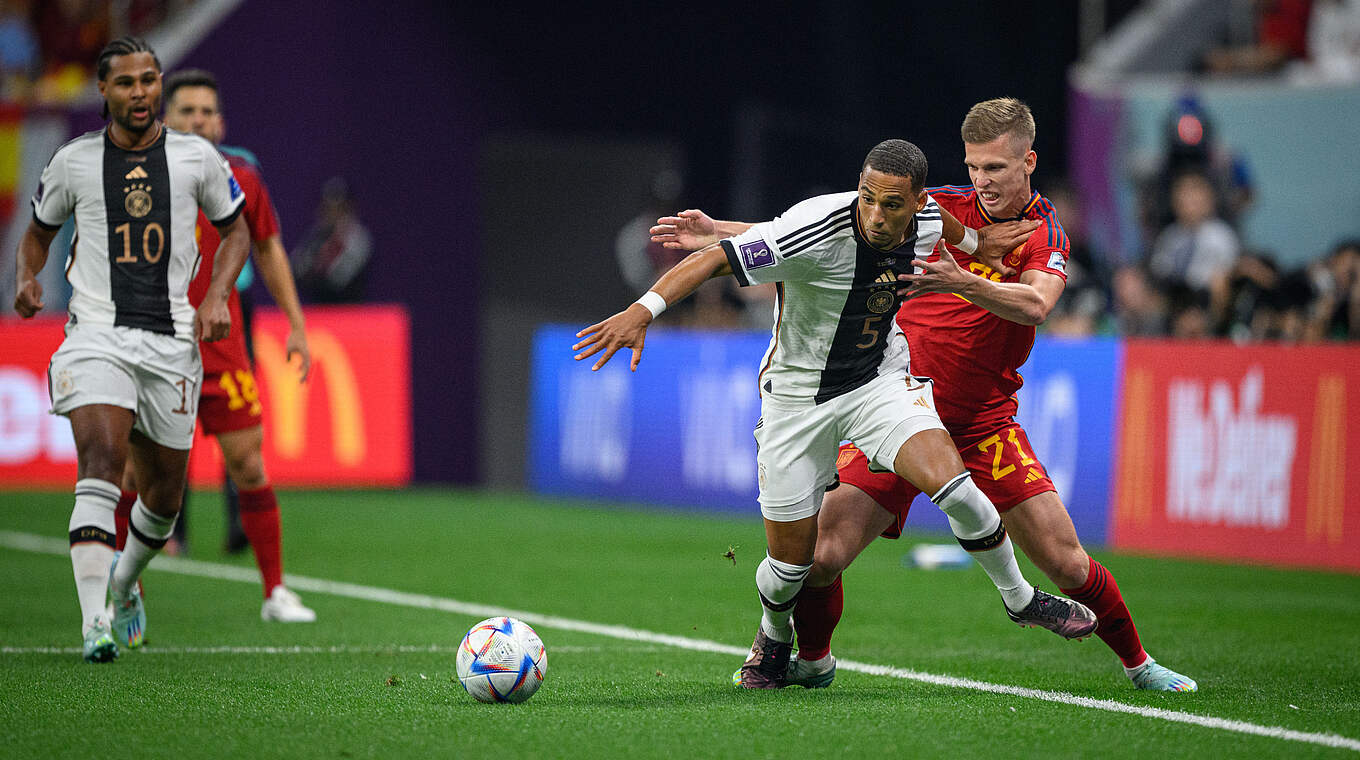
{"x": 1067, "y": 407}
{"x": 678, "y": 431}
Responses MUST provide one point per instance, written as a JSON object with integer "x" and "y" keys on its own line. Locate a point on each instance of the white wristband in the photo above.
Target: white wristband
{"x": 970, "y": 241}
{"x": 653, "y": 302}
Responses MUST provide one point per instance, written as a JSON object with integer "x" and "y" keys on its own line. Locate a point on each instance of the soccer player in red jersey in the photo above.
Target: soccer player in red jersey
{"x": 970, "y": 327}
{"x": 230, "y": 408}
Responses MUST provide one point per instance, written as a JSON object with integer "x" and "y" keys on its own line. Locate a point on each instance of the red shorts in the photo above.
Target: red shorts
{"x": 230, "y": 401}
{"x": 1000, "y": 460}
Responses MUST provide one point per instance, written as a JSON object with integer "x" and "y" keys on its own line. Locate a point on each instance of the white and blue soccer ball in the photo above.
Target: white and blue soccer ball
{"x": 501, "y": 659}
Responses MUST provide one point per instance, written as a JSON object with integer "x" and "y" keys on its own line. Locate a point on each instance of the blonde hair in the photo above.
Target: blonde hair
{"x": 991, "y": 119}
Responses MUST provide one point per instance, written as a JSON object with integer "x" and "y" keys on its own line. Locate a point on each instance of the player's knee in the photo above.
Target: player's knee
{"x": 829, "y": 560}
{"x": 822, "y": 574}
{"x": 247, "y": 469}
{"x": 164, "y": 498}
{"x": 102, "y": 462}
{"x": 1066, "y": 566}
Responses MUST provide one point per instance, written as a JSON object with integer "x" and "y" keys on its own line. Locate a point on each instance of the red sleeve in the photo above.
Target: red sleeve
{"x": 1047, "y": 249}
{"x": 260, "y": 215}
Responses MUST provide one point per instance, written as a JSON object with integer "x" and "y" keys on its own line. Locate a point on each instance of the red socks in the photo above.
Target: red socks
{"x": 260, "y": 521}
{"x": 121, "y": 515}
{"x": 815, "y": 618}
{"x": 1116, "y": 628}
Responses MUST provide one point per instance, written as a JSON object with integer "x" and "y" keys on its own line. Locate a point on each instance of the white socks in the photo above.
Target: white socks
{"x": 92, "y": 541}
{"x": 147, "y": 533}
{"x": 978, "y": 529}
{"x": 779, "y": 584}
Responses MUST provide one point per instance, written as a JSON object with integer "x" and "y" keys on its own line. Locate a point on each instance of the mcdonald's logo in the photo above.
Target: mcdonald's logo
{"x": 331, "y": 367}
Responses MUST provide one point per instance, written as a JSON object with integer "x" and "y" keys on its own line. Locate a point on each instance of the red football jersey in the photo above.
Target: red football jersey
{"x": 263, "y": 222}
{"x": 972, "y": 354}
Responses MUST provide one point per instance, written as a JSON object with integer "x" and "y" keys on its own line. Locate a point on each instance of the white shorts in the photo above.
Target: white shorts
{"x": 156, "y": 376}
{"x": 796, "y": 446}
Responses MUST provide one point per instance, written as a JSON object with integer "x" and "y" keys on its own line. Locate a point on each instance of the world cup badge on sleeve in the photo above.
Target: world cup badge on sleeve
{"x": 756, "y": 254}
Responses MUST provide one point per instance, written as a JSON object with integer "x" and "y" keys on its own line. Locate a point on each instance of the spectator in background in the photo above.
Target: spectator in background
{"x": 20, "y": 59}
{"x": 1138, "y": 310}
{"x": 1191, "y": 145}
{"x": 331, "y": 265}
{"x": 1282, "y": 28}
{"x": 1265, "y": 303}
{"x": 1193, "y": 257}
{"x": 1335, "y": 311}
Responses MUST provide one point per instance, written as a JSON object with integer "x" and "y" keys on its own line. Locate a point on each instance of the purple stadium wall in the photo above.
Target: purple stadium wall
{"x": 377, "y": 95}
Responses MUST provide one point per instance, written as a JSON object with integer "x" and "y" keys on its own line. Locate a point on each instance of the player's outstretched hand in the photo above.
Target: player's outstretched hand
{"x": 627, "y": 329}
{"x": 297, "y": 344}
{"x": 212, "y": 321}
{"x": 941, "y": 276}
{"x": 688, "y": 230}
{"x": 997, "y": 240}
{"x": 28, "y": 300}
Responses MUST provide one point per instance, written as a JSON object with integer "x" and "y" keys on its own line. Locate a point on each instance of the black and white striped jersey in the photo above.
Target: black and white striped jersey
{"x": 837, "y": 296}
{"x": 135, "y": 211}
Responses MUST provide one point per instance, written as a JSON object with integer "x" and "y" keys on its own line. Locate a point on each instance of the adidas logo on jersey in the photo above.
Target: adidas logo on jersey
{"x": 136, "y": 173}
{"x": 921, "y": 402}
{"x": 889, "y": 277}
{"x": 1032, "y": 476}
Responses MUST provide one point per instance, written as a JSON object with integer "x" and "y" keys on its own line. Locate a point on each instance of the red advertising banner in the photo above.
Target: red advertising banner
{"x": 36, "y": 448}
{"x": 1239, "y": 453}
{"x": 349, "y": 425}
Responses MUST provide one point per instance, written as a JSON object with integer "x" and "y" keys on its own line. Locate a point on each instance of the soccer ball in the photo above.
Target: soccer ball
{"x": 501, "y": 660}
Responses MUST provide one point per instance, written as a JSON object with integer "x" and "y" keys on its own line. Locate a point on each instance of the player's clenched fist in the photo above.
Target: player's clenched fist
{"x": 28, "y": 300}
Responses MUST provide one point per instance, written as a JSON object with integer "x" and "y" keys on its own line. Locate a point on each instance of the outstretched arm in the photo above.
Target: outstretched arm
{"x": 1027, "y": 302}
{"x": 692, "y": 229}
{"x": 31, "y": 258}
{"x": 628, "y": 328}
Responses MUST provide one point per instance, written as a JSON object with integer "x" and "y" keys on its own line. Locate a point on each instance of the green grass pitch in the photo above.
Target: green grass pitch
{"x": 1271, "y": 649}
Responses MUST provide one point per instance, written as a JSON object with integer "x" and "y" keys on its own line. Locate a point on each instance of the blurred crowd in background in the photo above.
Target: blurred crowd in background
{"x": 1197, "y": 276}
{"x": 48, "y": 47}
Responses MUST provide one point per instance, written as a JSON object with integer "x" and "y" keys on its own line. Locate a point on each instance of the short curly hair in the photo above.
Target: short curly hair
{"x": 900, "y": 159}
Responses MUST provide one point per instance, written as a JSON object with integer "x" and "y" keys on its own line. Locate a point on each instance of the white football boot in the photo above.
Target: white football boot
{"x": 284, "y": 606}
{"x": 99, "y": 645}
{"x": 129, "y": 614}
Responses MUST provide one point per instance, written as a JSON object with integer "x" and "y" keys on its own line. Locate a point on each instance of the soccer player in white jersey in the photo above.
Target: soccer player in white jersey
{"x": 837, "y": 369}
{"x": 128, "y": 373}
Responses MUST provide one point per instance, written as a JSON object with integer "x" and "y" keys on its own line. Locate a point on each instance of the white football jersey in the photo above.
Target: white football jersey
{"x": 135, "y": 250}
{"x": 837, "y": 296}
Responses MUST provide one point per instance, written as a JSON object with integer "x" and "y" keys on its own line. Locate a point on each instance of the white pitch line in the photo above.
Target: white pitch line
{"x": 46, "y": 545}
{"x": 395, "y": 649}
